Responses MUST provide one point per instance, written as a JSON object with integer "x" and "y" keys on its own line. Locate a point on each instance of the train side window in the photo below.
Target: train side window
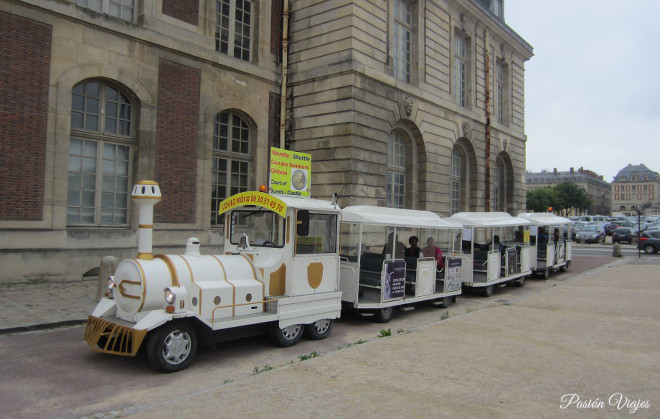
{"x": 321, "y": 235}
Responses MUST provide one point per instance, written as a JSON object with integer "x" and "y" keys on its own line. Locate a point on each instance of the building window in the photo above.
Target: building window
{"x": 233, "y": 28}
{"x": 500, "y": 91}
{"x": 231, "y": 160}
{"x": 396, "y": 172}
{"x": 461, "y": 60}
{"x": 402, "y": 39}
{"x": 102, "y": 135}
{"x": 457, "y": 179}
{"x": 616, "y": 188}
{"x": 122, "y": 9}
{"x": 651, "y": 196}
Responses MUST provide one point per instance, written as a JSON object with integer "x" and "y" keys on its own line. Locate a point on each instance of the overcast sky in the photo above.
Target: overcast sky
{"x": 592, "y": 89}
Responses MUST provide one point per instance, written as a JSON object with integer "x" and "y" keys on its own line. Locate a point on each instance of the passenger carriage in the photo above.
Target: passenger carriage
{"x": 496, "y": 246}
{"x": 379, "y": 267}
{"x": 550, "y": 240}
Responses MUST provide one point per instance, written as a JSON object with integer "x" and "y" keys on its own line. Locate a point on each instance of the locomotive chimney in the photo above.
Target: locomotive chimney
{"x": 146, "y": 194}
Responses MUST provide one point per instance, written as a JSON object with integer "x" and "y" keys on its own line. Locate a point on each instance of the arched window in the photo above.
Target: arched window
{"x": 396, "y": 171}
{"x": 458, "y": 180}
{"x": 231, "y": 160}
{"x": 100, "y": 148}
{"x": 499, "y": 186}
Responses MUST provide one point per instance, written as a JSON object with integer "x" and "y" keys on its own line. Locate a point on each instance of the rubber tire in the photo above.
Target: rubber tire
{"x": 384, "y": 315}
{"x": 519, "y": 282}
{"x": 446, "y": 302}
{"x": 279, "y": 337}
{"x": 649, "y": 249}
{"x": 546, "y": 273}
{"x": 489, "y": 290}
{"x": 315, "y": 331}
{"x": 157, "y": 341}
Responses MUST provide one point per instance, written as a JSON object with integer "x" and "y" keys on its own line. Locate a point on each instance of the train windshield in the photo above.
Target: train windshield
{"x": 263, "y": 227}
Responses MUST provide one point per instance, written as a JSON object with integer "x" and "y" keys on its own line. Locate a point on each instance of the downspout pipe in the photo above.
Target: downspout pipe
{"x": 487, "y": 106}
{"x": 285, "y": 53}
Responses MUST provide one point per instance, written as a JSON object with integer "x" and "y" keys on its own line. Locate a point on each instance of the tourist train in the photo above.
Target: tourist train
{"x": 290, "y": 265}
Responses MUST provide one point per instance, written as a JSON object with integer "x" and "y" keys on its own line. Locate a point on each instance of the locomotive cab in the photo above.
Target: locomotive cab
{"x": 278, "y": 273}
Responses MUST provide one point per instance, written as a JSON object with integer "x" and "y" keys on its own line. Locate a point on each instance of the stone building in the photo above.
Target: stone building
{"x": 596, "y": 187}
{"x": 416, "y": 104}
{"x": 633, "y": 187}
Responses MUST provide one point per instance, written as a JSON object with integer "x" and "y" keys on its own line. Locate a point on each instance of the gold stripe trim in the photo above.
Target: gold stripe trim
{"x": 146, "y": 197}
{"x": 144, "y": 283}
{"x": 233, "y": 306}
{"x": 145, "y": 226}
{"x": 254, "y": 272}
{"x": 192, "y": 279}
{"x": 146, "y": 182}
{"x": 145, "y": 256}
{"x": 170, "y": 266}
{"x": 233, "y": 310}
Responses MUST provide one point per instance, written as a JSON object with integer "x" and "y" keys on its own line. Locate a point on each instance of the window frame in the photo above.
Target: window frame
{"x": 457, "y": 176}
{"x": 230, "y": 157}
{"x": 101, "y": 138}
{"x": 105, "y": 8}
{"x": 402, "y": 40}
{"x": 232, "y": 29}
{"x": 461, "y": 57}
{"x": 396, "y": 171}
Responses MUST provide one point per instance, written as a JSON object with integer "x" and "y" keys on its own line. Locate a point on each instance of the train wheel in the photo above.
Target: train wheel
{"x": 546, "y": 273}
{"x": 320, "y": 329}
{"x": 172, "y": 347}
{"x": 446, "y": 302}
{"x": 488, "y": 291}
{"x": 288, "y": 336}
{"x": 384, "y": 315}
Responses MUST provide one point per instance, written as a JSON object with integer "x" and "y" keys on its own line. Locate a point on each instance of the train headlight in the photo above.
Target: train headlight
{"x": 111, "y": 287}
{"x": 170, "y": 296}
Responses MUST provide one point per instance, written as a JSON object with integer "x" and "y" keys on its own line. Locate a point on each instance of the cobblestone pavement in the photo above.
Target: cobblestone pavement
{"x": 27, "y": 305}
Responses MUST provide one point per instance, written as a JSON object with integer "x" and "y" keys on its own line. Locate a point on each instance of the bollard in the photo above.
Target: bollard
{"x": 106, "y": 269}
{"x": 616, "y": 250}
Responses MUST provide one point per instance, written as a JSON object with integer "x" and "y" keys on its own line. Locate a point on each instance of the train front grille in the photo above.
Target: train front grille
{"x": 110, "y": 337}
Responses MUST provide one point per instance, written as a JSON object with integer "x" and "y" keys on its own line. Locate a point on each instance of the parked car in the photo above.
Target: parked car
{"x": 591, "y": 233}
{"x": 622, "y": 234}
{"x": 649, "y": 241}
{"x": 614, "y": 224}
{"x": 577, "y": 226}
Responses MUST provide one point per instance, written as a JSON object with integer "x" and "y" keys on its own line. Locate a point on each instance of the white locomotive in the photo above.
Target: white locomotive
{"x": 285, "y": 281}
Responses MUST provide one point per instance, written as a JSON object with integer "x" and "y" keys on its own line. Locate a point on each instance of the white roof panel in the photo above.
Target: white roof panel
{"x": 307, "y": 203}
{"x": 544, "y": 218}
{"x": 488, "y": 219}
{"x": 396, "y": 217}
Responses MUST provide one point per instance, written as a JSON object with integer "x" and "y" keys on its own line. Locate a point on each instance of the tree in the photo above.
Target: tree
{"x": 539, "y": 200}
{"x": 571, "y": 197}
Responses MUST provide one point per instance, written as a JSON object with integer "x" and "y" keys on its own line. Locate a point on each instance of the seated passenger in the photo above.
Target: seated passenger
{"x": 433, "y": 251}
{"x": 394, "y": 243}
{"x": 413, "y": 250}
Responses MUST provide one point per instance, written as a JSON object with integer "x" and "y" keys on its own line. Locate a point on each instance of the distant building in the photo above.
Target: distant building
{"x": 598, "y": 189}
{"x": 635, "y": 185}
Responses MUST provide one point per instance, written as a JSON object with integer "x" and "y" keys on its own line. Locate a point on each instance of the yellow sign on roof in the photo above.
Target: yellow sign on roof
{"x": 259, "y": 199}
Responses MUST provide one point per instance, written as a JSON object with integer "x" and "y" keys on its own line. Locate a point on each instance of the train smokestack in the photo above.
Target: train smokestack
{"x": 146, "y": 194}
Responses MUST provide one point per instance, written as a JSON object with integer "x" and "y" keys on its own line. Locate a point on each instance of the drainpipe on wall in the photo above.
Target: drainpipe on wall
{"x": 285, "y": 53}
{"x": 487, "y": 83}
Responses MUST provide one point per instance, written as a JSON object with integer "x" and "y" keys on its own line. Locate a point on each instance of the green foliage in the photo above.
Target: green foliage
{"x": 445, "y": 315}
{"x": 539, "y": 200}
{"x": 565, "y": 196}
{"x": 400, "y": 331}
{"x": 310, "y": 355}
{"x": 385, "y": 333}
{"x": 258, "y": 370}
